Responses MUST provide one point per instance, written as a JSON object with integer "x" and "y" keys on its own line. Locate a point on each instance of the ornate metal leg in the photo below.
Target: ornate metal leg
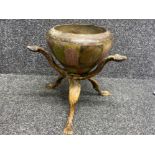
{"x": 74, "y": 81}
{"x": 55, "y": 84}
{"x": 97, "y": 88}
{"x": 115, "y": 57}
{"x": 74, "y": 93}
{"x": 49, "y": 58}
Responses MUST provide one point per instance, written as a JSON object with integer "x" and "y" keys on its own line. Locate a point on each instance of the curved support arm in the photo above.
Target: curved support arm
{"x": 48, "y": 57}
{"x": 115, "y": 57}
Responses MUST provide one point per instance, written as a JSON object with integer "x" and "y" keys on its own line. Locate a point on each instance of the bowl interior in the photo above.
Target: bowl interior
{"x": 80, "y": 29}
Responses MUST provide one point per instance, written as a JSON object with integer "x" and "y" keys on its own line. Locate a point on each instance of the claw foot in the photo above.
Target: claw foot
{"x": 105, "y": 93}
{"x": 50, "y": 86}
{"x": 68, "y": 130}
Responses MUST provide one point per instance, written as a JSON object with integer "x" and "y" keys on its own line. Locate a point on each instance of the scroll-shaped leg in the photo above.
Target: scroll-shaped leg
{"x": 55, "y": 84}
{"x": 49, "y": 58}
{"x": 115, "y": 57}
{"x": 97, "y": 88}
{"x": 74, "y": 93}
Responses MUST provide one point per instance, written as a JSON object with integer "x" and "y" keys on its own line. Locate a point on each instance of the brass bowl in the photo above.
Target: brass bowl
{"x": 79, "y": 48}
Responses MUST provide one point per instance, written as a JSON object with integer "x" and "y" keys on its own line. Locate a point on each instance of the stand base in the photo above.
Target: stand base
{"x": 74, "y": 93}
{"x": 74, "y": 81}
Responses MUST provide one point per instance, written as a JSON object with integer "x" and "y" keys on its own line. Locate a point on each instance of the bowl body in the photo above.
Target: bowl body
{"x": 79, "y": 48}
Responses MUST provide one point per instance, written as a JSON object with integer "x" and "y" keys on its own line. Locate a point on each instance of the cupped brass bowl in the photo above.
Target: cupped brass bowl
{"x": 79, "y": 48}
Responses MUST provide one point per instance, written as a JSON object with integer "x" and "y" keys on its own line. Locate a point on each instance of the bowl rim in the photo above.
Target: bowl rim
{"x": 83, "y": 39}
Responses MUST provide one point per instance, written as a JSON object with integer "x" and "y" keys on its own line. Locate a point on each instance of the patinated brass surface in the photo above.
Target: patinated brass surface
{"x": 82, "y": 50}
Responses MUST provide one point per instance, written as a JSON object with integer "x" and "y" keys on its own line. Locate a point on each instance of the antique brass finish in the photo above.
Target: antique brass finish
{"x": 82, "y": 51}
{"x": 97, "y": 88}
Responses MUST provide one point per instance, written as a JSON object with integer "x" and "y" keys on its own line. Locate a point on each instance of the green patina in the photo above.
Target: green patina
{"x": 58, "y": 51}
{"x": 89, "y": 55}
